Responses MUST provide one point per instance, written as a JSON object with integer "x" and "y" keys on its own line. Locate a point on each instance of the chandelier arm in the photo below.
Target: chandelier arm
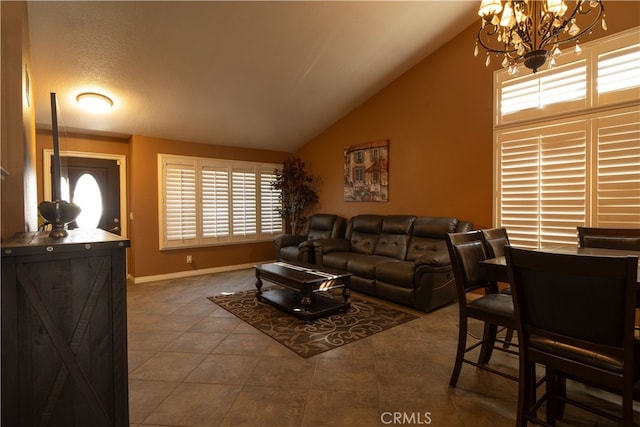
{"x": 489, "y": 48}
{"x": 554, "y": 36}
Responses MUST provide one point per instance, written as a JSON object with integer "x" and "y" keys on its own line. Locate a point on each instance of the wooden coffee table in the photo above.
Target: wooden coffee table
{"x": 302, "y": 287}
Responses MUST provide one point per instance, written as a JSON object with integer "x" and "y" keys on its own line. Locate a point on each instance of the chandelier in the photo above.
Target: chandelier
{"x": 531, "y": 31}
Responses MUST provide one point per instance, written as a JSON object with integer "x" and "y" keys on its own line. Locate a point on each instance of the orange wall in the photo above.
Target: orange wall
{"x": 438, "y": 118}
{"x": 147, "y": 259}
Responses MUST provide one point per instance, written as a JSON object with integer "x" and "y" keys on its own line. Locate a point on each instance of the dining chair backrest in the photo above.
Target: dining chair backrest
{"x": 609, "y": 238}
{"x": 496, "y": 239}
{"x": 575, "y": 315}
{"x": 466, "y": 250}
{"x": 585, "y": 297}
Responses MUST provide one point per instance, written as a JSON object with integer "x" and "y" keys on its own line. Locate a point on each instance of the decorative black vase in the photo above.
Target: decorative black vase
{"x": 58, "y": 214}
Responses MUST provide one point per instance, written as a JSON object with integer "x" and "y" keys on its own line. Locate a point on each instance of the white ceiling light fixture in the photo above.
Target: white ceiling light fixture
{"x": 94, "y": 102}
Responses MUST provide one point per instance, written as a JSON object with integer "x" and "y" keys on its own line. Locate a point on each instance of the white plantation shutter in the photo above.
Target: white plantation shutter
{"x": 543, "y": 184}
{"x": 559, "y": 168}
{"x": 211, "y": 201}
{"x": 617, "y": 201}
{"x": 243, "y": 194}
{"x": 618, "y": 69}
{"x": 180, "y": 202}
{"x": 215, "y": 202}
{"x": 519, "y": 182}
{"x": 563, "y": 183}
{"x": 554, "y": 178}
{"x": 271, "y": 221}
{"x": 546, "y": 92}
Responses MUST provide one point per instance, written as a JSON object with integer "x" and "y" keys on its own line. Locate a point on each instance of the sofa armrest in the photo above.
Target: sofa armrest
{"x": 434, "y": 259}
{"x": 331, "y": 245}
{"x": 285, "y": 240}
{"x": 325, "y": 246}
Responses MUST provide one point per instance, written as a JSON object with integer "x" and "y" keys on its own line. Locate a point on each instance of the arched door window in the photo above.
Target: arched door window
{"x": 88, "y": 196}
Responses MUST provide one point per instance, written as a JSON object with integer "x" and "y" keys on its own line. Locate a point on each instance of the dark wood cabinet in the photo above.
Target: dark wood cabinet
{"x": 64, "y": 330}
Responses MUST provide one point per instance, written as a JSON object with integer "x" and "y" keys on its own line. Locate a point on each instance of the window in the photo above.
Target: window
{"x": 607, "y": 72}
{"x": 375, "y": 154}
{"x": 556, "y": 171}
{"x": 537, "y": 91}
{"x": 209, "y": 201}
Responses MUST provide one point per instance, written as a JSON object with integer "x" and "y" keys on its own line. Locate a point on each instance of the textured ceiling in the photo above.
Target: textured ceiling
{"x": 249, "y": 74}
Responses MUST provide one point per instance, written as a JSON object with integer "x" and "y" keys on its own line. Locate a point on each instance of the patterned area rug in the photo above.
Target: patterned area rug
{"x": 364, "y": 319}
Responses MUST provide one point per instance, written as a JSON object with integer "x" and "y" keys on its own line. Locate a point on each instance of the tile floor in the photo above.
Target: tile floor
{"x": 192, "y": 363}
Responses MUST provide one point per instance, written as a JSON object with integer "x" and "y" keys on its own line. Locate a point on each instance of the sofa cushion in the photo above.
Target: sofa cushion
{"x": 337, "y": 260}
{"x": 396, "y": 231}
{"x": 421, "y": 248}
{"x": 399, "y": 273}
{"x": 364, "y": 233}
{"x": 365, "y": 265}
{"x": 429, "y": 235}
{"x": 398, "y": 224}
{"x": 289, "y": 253}
{"x": 434, "y": 227}
{"x": 323, "y": 226}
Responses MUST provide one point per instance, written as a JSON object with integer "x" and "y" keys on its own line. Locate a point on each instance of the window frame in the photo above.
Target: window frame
{"x": 211, "y": 194}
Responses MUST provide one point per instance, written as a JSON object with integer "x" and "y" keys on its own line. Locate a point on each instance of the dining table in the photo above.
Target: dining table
{"x": 496, "y": 268}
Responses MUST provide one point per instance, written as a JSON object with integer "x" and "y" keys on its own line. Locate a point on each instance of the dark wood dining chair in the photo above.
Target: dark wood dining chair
{"x": 495, "y": 240}
{"x": 466, "y": 250}
{"x": 575, "y": 317}
{"x": 609, "y": 238}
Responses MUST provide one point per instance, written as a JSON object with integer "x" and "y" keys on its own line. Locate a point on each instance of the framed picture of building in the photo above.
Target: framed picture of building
{"x": 366, "y": 172}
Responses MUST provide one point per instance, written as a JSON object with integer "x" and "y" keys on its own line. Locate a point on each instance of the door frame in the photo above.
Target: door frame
{"x": 122, "y": 165}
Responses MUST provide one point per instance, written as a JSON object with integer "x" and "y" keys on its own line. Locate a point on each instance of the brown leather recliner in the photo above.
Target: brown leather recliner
{"x": 299, "y": 247}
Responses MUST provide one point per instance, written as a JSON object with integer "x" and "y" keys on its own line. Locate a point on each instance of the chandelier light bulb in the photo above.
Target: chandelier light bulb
{"x": 490, "y": 7}
{"x": 557, "y": 7}
{"x": 507, "y": 20}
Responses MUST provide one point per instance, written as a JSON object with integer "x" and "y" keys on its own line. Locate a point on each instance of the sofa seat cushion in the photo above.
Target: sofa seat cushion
{"x": 399, "y": 273}
{"x": 338, "y": 260}
{"x": 365, "y": 265}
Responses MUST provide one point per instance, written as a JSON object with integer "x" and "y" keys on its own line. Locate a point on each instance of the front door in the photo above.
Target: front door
{"x": 94, "y": 185}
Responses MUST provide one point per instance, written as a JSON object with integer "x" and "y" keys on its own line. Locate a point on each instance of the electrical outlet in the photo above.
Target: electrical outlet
{"x": 189, "y": 259}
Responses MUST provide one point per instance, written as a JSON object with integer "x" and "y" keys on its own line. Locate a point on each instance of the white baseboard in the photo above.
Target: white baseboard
{"x": 190, "y": 273}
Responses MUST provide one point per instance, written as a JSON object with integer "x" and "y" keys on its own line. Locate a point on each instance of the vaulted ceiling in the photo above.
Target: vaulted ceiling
{"x": 251, "y": 74}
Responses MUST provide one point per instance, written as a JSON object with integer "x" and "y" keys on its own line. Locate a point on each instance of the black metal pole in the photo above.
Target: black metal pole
{"x": 55, "y": 179}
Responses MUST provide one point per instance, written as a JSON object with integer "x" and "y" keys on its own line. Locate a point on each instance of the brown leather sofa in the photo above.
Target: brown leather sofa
{"x": 401, "y": 258}
{"x": 299, "y": 248}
